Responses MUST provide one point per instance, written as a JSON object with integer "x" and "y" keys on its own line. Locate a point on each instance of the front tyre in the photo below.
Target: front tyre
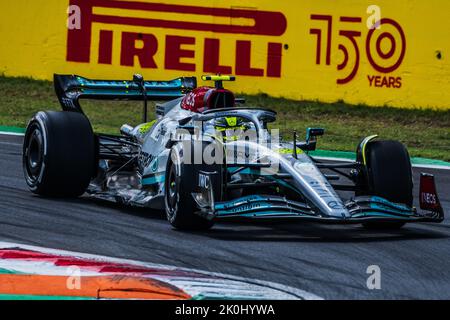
{"x": 58, "y": 154}
{"x": 179, "y": 203}
{"x": 388, "y": 175}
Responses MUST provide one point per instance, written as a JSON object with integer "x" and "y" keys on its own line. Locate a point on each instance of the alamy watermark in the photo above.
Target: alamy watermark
{"x": 73, "y": 281}
{"x": 243, "y": 146}
{"x": 74, "y": 17}
{"x": 374, "y": 280}
{"x": 373, "y": 21}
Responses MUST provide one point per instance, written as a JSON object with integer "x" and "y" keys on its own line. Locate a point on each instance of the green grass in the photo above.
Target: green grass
{"x": 425, "y": 132}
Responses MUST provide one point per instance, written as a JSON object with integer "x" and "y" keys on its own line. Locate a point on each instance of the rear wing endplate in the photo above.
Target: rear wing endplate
{"x": 71, "y": 88}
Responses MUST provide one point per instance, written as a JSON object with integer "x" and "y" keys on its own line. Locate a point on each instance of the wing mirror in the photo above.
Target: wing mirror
{"x": 311, "y": 140}
{"x": 314, "y": 132}
{"x": 311, "y": 137}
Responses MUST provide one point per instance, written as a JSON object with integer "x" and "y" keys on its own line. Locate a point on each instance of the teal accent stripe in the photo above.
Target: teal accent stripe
{"x": 6, "y": 271}
{"x": 377, "y": 214}
{"x": 334, "y": 154}
{"x": 172, "y": 93}
{"x": 12, "y": 129}
{"x": 31, "y": 297}
{"x": 426, "y": 161}
{"x": 157, "y": 178}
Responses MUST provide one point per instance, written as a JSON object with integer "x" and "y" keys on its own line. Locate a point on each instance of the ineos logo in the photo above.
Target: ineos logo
{"x": 429, "y": 198}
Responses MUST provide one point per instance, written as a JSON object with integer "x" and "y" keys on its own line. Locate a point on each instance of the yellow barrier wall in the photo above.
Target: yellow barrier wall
{"x": 272, "y": 46}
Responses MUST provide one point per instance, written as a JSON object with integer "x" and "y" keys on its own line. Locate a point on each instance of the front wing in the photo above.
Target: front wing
{"x": 361, "y": 209}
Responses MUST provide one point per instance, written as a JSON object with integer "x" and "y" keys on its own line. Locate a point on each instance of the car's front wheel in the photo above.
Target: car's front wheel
{"x": 388, "y": 174}
{"x": 179, "y": 203}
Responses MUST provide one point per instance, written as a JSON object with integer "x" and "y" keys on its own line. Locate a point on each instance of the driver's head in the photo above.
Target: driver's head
{"x": 231, "y": 127}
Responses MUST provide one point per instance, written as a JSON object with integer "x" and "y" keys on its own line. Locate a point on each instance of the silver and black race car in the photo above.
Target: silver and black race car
{"x": 208, "y": 157}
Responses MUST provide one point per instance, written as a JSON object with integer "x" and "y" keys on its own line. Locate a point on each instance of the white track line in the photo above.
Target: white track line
{"x": 425, "y": 166}
{"x": 431, "y": 166}
{"x": 7, "y": 133}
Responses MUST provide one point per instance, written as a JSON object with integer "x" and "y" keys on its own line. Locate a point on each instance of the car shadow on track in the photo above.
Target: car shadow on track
{"x": 283, "y": 232}
{"x": 309, "y": 232}
{"x": 141, "y": 212}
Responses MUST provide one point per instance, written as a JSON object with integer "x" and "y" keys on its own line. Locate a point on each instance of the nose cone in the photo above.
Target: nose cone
{"x": 314, "y": 185}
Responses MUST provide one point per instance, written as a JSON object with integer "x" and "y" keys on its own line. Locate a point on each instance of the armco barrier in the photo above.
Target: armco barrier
{"x": 306, "y": 49}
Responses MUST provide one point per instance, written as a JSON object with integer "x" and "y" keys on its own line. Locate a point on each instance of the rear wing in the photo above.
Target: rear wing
{"x": 71, "y": 88}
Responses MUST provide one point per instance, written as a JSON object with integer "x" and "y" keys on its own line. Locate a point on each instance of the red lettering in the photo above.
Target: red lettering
{"x": 79, "y": 41}
{"x": 371, "y": 78}
{"x": 144, "y": 54}
{"x": 174, "y": 53}
{"x": 274, "y": 55}
{"x": 384, "y": 81}
{"x": 377, "y": 81}
{"x": 211, "y": 58}
{"x": 391, "y": 82}
{"x": 243, "y": 60}
{"x": 105, "y": 47}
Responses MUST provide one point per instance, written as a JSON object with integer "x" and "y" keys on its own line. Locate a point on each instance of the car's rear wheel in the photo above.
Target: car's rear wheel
{"x": 388, "y": 174}
{"x": 58, "y": 154}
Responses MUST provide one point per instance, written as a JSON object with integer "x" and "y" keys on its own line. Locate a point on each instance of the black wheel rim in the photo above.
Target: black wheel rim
{"x": 33, "y": 155}
{"x": 172, "y": 190}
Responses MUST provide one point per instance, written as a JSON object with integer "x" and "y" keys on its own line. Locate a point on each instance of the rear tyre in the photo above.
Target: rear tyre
{"x": 179, "y": 203}
{"x": 388, "y": 175}
{"x": 59, "y": 154}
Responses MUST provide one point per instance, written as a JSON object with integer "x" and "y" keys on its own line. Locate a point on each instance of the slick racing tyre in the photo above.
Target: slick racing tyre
{"x": 389, "y": 175}
{"x": 181, "y": 181}
{"x": 59, "y": 154}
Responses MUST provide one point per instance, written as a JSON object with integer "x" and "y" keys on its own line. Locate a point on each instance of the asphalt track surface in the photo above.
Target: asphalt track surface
{"x": 327, "y": 260}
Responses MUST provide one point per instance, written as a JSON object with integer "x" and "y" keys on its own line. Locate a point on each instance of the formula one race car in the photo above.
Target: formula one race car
{"x": 208, "y": 157}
